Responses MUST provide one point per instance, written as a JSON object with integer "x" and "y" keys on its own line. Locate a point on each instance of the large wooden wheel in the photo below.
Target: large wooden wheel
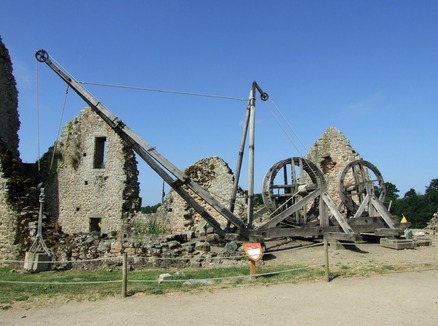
{"x": 358, "y": 180}
{"x": 289, "y": 181}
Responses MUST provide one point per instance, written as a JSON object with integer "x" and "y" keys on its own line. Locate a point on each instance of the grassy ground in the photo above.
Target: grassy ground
{"x": 19, "y": 286}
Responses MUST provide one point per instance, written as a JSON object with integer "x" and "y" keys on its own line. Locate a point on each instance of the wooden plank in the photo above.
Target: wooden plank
{"x": 339, "y": 218}
{"x": 340, "y": 236}
{"x": 310, "y": 232}
{"x": 362, "y": 206}
{"x": 386, "y": 232}
{"x": 386, "y": 215}
{"x": 288, "y": 212}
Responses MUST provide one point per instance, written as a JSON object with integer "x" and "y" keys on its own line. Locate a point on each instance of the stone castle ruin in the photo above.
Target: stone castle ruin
{"x": 215, "y": 176}
{"x": 331, "y": 153}
{"x": 90, "y": 178}
{"x": 93, "y": 183}
{"x": 17, "y": 187}
{"x": 92, "y": 191}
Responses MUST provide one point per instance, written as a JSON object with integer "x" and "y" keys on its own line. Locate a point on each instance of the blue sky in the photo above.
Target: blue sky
{"x": 368, "y": 68}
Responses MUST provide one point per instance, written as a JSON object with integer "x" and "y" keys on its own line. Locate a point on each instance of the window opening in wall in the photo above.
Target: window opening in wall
{"x": 95, "y": 225}
{"x": 99, "y": 152}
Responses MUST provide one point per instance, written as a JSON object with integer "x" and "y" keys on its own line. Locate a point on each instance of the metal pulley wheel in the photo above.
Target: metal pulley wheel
{"x": 288, "y": 181}
{"x": 359, "y": 179}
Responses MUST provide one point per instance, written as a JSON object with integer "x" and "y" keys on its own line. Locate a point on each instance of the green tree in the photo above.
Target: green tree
{"x": 257, "y": 200}
{"x": 433, "y": 187}
{"x": 431, "y": 198}
{"x": 150, "y": 209}
{"x": 391, "y": 195}
{"x": 411, "y": 194}
{"x": 418, "y": 208}
{"x": 391, "y": 191}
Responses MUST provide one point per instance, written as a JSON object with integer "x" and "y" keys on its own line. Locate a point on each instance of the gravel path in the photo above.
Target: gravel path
{"x": 409, "y": 298}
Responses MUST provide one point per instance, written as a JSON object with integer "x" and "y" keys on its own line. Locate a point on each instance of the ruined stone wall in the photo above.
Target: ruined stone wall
{"x": 9, "y": 121}
{"x": 94, "y": 176}
{"x": 331, "y": 153}
{"x": 8, "y": 222}
{"x": 9, "y": 157}
{"x": 18, "y": 204}
{"x": 215, "y": 176}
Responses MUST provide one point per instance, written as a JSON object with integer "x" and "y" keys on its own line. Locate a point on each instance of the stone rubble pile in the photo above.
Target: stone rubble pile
{"x": 433, "y": 223}
{"x": 86, "y": 251}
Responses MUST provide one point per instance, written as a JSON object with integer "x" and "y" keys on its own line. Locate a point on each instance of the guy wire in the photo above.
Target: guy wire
{"x": 165, "y": 91}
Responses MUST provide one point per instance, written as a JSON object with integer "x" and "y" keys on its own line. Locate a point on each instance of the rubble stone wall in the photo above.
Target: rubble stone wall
{"x": 173, "y": 250}
{"x": 18, "y": 202}
{"x": 215, "y": 176}
{"x": 83, "y": 186}
{"x": 8, "y": 223}
{"x": 10, "y": 189}
{"x": 331, "y": 153}
{"x": 9, "y": 120}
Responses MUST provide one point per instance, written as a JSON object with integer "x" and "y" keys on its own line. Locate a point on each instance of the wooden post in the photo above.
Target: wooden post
{"x": 252, "y": 269}
{"x": 251, "y": 157}
{"x": 326, "y": 255}
{"x": 125, "y": 275}
{"x": 254, "y": 252}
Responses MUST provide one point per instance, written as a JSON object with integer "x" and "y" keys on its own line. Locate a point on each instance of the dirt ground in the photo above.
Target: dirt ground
{"x": 402, "y": 298}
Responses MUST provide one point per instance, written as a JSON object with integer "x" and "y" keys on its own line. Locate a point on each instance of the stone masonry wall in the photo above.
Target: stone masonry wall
{"x": 18, "y": 202}
{"x": 331, "y": 153}
{"x": 8, "y": 223}
{"x": 9, "y": 121}
{"x": 215, "y": 176}
{"x": 83, "y": 186}
{"x": 9, "y": 159}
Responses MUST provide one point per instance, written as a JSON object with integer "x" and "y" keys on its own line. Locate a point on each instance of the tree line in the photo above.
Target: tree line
{"x": 417, "y": 208}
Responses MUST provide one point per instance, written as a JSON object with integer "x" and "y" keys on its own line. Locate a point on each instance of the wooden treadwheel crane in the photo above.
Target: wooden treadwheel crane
{"x": 303, "y": 209}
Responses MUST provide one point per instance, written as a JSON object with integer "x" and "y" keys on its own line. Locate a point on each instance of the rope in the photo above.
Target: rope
{"x": 200, "y": 280}
{"x": 59, "y": 283}
{"x": 157, "y": 258}
{"x": 209, "y": 279}
{"x": 164, "y": 91}
{"x": 287, "y": 124}
{"x": 279, "y": 208}
{"x": 59, "y": 128}
{"x": 197, "y": 280}
{"x": 185, "y": 258}
{"x": 62, "y": 261}
{"x": 228, "y": 277}
{"x": 164, "y": 281}
{"x": 37, "y": 114}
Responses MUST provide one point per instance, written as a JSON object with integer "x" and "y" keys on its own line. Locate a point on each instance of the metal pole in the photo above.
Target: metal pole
{"x": 251, "y": 156}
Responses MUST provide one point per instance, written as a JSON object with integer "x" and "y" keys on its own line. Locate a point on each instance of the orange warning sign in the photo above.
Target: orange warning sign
{"x": 253, "y": 250}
